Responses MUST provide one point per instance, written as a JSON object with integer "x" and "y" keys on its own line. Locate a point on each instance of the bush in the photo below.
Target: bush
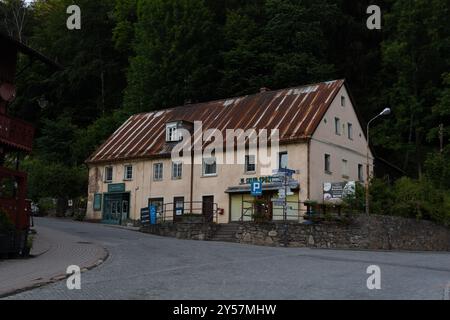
{"x": 418, "y": 199}
{"x": 437, "y": 169}
{"x": 79, "y": 216}
{"x": 382, "y": 197}
{"x": 46, "y": 206}
{"x": 409, "y": 198}
{"x": 354, "y": 203}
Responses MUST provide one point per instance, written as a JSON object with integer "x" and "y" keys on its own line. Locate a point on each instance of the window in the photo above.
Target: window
{"x": 350, "y": 131}
{"x": 128, "y": 172}
{"x": 172, "y": 132}
{"x": 177, "y": 170}
{"x": 283, "y": 160}
{"x": 360, "y": 172}
{"x": 108, "y": 174}
{"x": 342, "y": 101}
{"x": 158, "y": 171}
{"x": 344, "y": 168}
{"x": 327, "y": 163}
{"x": 250, "y": 164}
{"x": 337, "y": 126}
{"x": 209, "y": 166}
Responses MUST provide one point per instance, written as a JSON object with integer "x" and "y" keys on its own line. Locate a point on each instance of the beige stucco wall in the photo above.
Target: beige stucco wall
{"x": 325, "y": 141}
{"x": 142, "y": 187}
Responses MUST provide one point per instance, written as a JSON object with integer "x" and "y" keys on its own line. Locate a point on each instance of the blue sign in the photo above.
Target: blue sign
{"x": 256, "y": 188}
{"x": 286, "y": 171}
{"x": 152, "y": 214}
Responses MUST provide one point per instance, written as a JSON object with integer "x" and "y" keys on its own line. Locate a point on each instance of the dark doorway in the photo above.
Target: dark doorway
{"x": 208, "y": 208}
{"x": 178, "y": 208}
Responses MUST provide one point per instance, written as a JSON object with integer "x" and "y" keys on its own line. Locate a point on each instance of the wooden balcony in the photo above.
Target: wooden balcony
{"x": 16, "y": 134}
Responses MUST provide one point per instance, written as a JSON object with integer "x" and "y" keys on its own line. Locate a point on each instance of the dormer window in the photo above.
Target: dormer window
{"x": 172, "y": 132}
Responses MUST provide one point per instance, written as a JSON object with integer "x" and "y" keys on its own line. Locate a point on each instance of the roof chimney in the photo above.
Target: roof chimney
{"x": 263, "y": 89}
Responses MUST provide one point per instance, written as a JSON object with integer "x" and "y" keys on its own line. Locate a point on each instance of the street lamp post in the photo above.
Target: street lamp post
{"x": 385, "y": 112}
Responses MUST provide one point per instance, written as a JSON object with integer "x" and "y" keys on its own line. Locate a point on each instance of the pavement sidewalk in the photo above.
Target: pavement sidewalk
{"x": 53, "y": 251}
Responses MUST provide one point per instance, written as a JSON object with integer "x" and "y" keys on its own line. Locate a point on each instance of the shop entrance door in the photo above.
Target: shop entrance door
{"x": 116, "y": 208}
{"x": 208, "y": 208}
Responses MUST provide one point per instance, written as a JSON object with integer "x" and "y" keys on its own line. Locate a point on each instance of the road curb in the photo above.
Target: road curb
{"x": 56, "y": 278}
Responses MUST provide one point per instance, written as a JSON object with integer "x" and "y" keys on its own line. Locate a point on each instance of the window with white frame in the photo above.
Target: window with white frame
{"x": 209, "y": 166}
{"x": 172, "y": 132}
{"x": 108, "y": 174}
{"x": 250, "y": 164}
{"x": 128, "y": 172}
{"x": 158, "y": 172}
{"x": 177, "y": 170}
{"x": 337, "y": 126}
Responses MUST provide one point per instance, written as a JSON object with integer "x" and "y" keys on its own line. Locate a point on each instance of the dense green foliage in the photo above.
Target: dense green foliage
{"x": 406, "y": 197}
{"x": 140, "y": 55}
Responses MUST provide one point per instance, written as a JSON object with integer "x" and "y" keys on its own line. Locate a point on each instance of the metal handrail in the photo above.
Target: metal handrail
{"x": 303, "y": 211}
{"x": 168, "y": 212}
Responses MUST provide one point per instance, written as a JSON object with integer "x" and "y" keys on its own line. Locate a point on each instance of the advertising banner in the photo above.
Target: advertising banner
{"x": 334, "y": 191}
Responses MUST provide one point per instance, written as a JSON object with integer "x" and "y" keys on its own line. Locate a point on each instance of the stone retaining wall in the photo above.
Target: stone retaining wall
{"x": 373, "y": 232}
{"x": 362, "y": 232}
{"x": 183, "y": 230}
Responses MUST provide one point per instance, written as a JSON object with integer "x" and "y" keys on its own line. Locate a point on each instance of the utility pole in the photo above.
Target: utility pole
{"x": 385, "y": 112}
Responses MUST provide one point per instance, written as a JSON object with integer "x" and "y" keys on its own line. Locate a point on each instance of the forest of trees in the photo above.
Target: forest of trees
{"x": 138, "y": 55}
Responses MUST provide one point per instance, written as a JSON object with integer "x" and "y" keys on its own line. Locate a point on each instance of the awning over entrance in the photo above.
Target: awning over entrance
{"x": 266, "y": 187}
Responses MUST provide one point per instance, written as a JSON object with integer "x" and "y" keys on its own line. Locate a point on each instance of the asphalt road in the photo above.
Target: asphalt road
{"x": 142, "y": 266}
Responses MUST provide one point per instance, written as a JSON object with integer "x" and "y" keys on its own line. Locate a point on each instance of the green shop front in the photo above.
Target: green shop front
{"x": 114, "y": 205}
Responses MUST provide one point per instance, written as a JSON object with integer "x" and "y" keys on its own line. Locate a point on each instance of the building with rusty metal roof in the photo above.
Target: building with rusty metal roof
{"x": 321, "y": 141}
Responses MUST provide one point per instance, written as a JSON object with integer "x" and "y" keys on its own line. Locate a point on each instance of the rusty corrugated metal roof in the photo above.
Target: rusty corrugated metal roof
{"x": 296, "y": 112}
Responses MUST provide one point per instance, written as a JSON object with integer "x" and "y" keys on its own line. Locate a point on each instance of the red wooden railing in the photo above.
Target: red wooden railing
{"x": 16, "y": 133}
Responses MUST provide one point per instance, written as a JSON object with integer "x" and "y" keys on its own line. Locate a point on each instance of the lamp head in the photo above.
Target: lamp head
{"x": 386, "y": 112}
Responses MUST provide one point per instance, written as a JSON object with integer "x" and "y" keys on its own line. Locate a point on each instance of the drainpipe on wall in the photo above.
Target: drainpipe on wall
{"x": 308, "y": 192}
{"x": 192, "y": 181}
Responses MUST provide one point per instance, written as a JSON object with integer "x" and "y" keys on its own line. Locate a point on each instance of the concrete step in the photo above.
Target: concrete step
{"x": 226, "y": 233}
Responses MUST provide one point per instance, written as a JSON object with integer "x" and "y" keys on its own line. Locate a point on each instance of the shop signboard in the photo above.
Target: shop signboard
{"x": 266, "y": 179}
{"x": 116, "y": 187}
